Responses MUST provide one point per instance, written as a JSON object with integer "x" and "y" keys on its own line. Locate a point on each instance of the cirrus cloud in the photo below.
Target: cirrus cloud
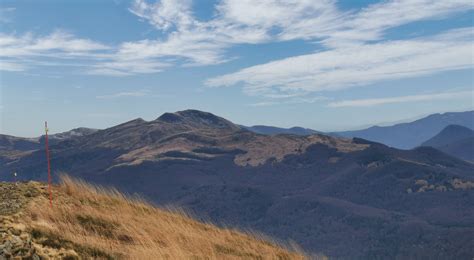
{"x": 19, "y": 53}
{"x": 356, "y": 65}
{"x": 369, "y": 102}
{"x": 185, "y": 40}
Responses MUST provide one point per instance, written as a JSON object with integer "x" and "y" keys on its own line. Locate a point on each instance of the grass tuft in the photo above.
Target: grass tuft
{"x": 103, "y": 223}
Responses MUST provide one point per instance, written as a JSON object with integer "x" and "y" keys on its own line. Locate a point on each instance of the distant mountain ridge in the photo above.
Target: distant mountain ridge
{"x": 80, "y": 131}
{"x": 347, "y": 198}
{"x": 455, "y": 140}
{"x": 273, "y": 130}
{"x": 412, "y": 134}
{"x": 8, "y": 142}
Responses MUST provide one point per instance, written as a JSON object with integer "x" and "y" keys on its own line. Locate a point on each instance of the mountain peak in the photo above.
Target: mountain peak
{"x": 449, "y": 134}
{"x": 409, "y": 135}
{"x": 457, "y": 128}
{"x": 197, "y": 118}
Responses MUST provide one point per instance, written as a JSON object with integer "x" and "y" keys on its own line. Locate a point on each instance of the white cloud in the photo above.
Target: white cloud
{"x": 352, "y": 57}
{"x": 356, "y": 65}
{"x": 107, "y": 72}
{"x": 290, "y": 101}
{"x": 235, "y": 22}
{"x": 6, "y": 14}
{"x": 388, "y": 14}
{"x": 304, "y": 19}
{"x": 403, "y": 99}
{"x": 371, "y": 22}
{"x": 264, "y": 104}
{"x": 189, "y": 41}
{"x": 56, "y": 43}
{"x": 11, "y": 66}
{"x": 139, "y": 93}
{"x": 193, "y": 42}
{"x": 122, "y": 66}
{"x": 17, "y": 53}
{"x": 103, "y": 115}
{"x": 165, "y": 14}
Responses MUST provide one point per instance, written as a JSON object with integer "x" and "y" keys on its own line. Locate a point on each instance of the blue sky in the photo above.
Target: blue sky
{"x": 327, "y": 65}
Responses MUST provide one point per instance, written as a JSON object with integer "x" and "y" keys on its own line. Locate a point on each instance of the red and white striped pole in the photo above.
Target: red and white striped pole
{"x": 49, "y": 165}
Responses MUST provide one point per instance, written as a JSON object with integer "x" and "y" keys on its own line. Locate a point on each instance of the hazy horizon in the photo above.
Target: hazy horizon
{"x": 54, "y": 130}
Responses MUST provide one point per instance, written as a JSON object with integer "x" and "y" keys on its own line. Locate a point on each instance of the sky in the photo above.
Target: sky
{"x": 327, "y": 65}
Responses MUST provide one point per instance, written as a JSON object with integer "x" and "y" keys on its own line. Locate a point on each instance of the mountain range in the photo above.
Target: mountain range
{"x": 347, "y": 198}
{"x": 412, "y": 134}
{"x": 406, "y": 135}
{"x": 8, "y": 142}
{"x": 272, "y": 130}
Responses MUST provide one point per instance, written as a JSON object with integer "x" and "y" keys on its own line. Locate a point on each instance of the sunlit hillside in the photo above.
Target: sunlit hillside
{"x": 88, "y": 221}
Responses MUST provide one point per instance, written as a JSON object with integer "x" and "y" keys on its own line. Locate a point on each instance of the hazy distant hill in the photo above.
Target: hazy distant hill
{"x": 346, "y": 198}
{"x": 8, "y": 142}
{"x": 272, "y": 130}
{"x": 76, "y": 132}
{"x": 413, "y": 134}
{"x": 448, "y": 135}
{"x": 454, "y": 140}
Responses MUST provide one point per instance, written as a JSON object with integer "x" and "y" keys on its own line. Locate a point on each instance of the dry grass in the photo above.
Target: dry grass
{"x": 103, "y": 223}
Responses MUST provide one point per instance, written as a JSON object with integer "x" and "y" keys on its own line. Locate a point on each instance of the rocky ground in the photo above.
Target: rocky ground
{"x": 15, "y": 243}
{"x": 82, "y": 225}
{"x": 16, "y": 240}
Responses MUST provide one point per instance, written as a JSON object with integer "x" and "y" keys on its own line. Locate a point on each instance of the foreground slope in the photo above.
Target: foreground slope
{"x": 86, "y": 221}
{"x": 346, "y": 198}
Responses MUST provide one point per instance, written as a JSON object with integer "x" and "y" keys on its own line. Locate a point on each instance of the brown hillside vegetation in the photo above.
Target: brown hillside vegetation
{"x": 92, "y": 222}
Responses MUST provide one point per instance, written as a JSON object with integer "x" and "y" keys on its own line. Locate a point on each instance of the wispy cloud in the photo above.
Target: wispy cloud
{"x": 370, "y": 23}
{"x": 6, "y": 14}
{"x": 139, "y": 93}
{"x": 290, "y": 101}
{"x": 103, "y": 115}
{"x": 356, "y": 65}
{"x": 18, "y": 53}
{"x": 124, "y": 65}
{"x": 356, "y": 52}
{"x": 198, "y": 42}
{"x": 403, "y": 99}
{"x": 59, "y": 41}
{"x": 188, "y": 41}
{"x": 11, "y": 66}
